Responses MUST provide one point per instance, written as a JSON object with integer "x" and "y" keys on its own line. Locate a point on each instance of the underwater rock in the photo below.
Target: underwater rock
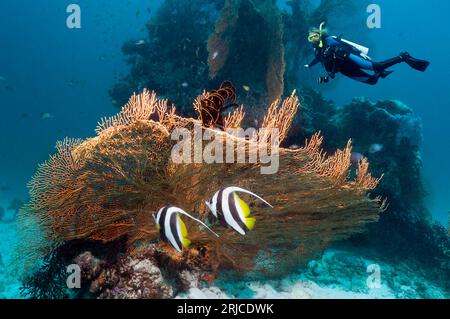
{"x": 391, "y": 124}
{"x": 174, "y": 51}
{"x": 247, "y": 46}
{"x": 90, "y": 265}
{"x": 394, "y": 126}
{"x": 254, "y": 43}
{"x": 188, "y": 279}
{"x": 409, "y": 130}
{"x": 133, "y": 278}
{"x": 145, "y": 273}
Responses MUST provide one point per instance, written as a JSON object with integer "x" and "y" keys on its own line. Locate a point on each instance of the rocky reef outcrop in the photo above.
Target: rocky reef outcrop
{"x": 196, "y": 44}
{"x": 130, "y": 277}
{"x": 389, "y": 134}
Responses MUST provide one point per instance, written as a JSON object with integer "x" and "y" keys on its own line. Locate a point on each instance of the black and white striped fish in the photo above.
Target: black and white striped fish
{"x": 172, "y": 228}
{"x": 231, "y": 210}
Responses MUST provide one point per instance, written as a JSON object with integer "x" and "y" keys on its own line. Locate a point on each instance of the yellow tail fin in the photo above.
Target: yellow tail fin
{"x": 243, "y": 205}
{"x": 186, "y": 242}
{"x": 250, "y": 223}
{"x": 184, "y": 231}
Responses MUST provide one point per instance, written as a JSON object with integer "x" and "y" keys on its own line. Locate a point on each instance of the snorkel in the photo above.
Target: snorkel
{"x": 315, "y": 35}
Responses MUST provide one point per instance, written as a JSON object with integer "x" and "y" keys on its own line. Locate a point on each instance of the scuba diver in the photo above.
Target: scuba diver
{"x": 342, "y": 56}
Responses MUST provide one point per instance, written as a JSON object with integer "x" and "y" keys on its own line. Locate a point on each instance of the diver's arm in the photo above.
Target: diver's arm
{"x": 312, "y": 63}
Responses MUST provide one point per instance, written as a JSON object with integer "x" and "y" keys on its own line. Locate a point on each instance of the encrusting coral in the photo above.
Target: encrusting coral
{"x": 107, "y": 187}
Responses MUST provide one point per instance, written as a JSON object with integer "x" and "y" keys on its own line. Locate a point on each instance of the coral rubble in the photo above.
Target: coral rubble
{"x": 104, "y": 189}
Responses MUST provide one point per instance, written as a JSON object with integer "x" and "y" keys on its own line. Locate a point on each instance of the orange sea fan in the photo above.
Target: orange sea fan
{"x": 229, "y": 31}
{"x": 107, "y": 187}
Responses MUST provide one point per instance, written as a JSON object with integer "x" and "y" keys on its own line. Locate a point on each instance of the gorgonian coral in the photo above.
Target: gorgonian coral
{"x": 107, "y": 187}
{"x": 248, "y": 40}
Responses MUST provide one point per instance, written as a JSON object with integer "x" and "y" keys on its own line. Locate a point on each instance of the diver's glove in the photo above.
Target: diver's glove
{"x": 323, "y": 79}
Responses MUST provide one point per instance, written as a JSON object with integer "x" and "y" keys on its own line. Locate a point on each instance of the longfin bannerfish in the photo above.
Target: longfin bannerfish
{"x": 172, "y": 228}
{"x": 231, "y": 210}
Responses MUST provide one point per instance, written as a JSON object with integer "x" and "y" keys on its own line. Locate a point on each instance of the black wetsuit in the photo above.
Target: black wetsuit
{"x": 340, "y": 57}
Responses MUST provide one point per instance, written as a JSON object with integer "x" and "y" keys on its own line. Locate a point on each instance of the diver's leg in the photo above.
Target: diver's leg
{"x": 383, "y": 65}
{"x": 361, "y": 62}
{"x": 360, "y": 75}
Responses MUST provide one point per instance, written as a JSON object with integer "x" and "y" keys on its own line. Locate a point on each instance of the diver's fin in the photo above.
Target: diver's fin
{"x": 385, "y": 73}
{"x": 417, "y": 64}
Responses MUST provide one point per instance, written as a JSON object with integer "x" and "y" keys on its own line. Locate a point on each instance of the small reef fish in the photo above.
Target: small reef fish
{"x": 215, "y": 54}
{"x": 172, "y": 228}
{"x": 185, "y": 84}
{"x": 231, "y": 210}
{"x": 355, "y": 157}
{"x": 140, "y": 42}
{"x": 294, "y": 147}
{"x": 246, "y": 88}
{"x": 375, "y": 148}
{"x": 47, "y": 116}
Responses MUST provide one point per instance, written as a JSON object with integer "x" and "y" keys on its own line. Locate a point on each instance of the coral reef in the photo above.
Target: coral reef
{"x": 105, "y": 189}
{"x": 136, "y": 277}
{"x": 394, "y": 126}
{"x": 244, "y": 25}
{"x": 338, "y": 274}
{"x": 147, "y": 273}
{"x": 48, "y": 279}
{"x": 173, "y": 59}
{"x": 388, "y": 123}
{"x": 202, "y": 43}
{"x": 210, "y": 106}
